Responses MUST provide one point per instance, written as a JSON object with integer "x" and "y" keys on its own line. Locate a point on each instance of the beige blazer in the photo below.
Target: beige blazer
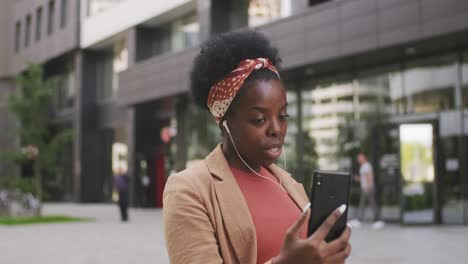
{"x": 206, "y": 218}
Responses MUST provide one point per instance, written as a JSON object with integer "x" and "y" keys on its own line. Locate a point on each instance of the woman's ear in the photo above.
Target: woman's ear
{"x": 223, "y": 125}
{"x": 220, "y": 125}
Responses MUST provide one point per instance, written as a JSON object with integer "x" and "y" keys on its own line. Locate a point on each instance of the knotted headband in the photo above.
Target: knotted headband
{"x": 223, "y": 92}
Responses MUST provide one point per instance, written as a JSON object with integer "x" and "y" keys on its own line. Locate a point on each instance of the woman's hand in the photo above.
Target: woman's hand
{"x": 314, "y": 249}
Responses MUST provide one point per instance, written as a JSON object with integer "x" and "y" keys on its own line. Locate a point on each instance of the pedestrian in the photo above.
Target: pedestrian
{"x": 121, "y": 182}
{"x": 237, "y": 206}
{"x": 368, "y": 194}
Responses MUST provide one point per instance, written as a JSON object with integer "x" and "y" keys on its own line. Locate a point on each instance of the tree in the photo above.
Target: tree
{"x": 41, "y": 142}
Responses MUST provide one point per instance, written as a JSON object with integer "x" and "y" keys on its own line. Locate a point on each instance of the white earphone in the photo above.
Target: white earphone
{"x": 225, "y": 126}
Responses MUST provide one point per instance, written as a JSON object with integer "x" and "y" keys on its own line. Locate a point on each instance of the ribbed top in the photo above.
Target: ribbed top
{"x": 272, "y": 210}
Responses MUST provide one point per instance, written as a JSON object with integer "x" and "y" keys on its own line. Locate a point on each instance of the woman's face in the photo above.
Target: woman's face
{"x": 258, "y": 122}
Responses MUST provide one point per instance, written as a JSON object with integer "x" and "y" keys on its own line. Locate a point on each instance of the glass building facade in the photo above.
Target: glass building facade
{"x": 409, "y": 117}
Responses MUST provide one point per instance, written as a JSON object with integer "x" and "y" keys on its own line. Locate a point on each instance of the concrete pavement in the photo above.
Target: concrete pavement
{"x": 103, "y": 241}
{"x": 107, "y": 240}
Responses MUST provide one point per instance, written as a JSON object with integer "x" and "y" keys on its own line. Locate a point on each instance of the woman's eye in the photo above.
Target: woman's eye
{"x": 284, "y": 117}
{"x": 258, "y": 121}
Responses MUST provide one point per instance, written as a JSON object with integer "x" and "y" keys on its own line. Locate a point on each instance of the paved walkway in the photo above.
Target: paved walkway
{"x": 107, "y": 240}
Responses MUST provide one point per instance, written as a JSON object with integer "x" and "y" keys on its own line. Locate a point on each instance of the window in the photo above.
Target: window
{"x": 38, "y": 23}
{"x": 430, "y": 84}
{"x": 66, "y": 90}
{"x": 185, "y": 32}
{"x": 50, "y": 23}
{"x": 264, "y": 11}
{"x": 63, "y": 13}
{"x": 120, "y": 63}
{"x": 104, "y": 77}
{"x": 17, "y": 36}
{"x": 177, "y": 35}
{"x": 433, "y": 101}
{"x": 110, "y": 63}
{"x": 27, "y": 32}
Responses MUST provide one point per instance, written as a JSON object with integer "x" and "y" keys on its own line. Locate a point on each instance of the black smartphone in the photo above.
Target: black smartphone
{"x": 329, "y": 191}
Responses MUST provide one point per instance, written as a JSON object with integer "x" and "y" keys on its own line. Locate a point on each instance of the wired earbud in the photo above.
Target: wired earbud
{"x": 225, "y": 126}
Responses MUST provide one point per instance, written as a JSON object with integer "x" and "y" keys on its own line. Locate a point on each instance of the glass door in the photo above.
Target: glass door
{"x": 389, "y": 179}
{"x": 417, "y": 173}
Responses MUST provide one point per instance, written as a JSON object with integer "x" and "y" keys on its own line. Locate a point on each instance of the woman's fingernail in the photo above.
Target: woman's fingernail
{"x": 306, "y": 208}
{"x": 342, "y": 208}
{"x": 350, "y": 227}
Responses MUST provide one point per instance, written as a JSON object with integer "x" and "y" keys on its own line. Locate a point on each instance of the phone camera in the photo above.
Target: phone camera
{"x": 319, "y": 180}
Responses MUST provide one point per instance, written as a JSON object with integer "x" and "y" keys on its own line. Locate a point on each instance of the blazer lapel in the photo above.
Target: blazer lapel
{"x": 234, "y": 209}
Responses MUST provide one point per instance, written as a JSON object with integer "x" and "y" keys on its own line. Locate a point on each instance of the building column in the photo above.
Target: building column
{"x": 461, "y": 135}
{"x": 300, "y": 135}
{"x": 129, "y": 122}
{"x": 86, "y": 137}
{"x": 182, "y": 134}
{"x": 76, "y": 126}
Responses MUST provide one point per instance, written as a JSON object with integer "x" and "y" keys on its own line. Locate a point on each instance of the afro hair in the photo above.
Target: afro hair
{"x": 221, "y": 54}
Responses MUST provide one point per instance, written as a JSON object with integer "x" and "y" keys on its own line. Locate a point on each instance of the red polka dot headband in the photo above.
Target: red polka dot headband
{"x": 223, "y": 92}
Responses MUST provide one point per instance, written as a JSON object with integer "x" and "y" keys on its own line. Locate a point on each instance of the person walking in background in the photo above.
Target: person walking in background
{"x": 368, "y": 195}
{"x": 121, "y": 181}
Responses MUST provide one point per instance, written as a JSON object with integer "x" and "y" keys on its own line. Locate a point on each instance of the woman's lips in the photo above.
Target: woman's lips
{"x": 273, "y": 152}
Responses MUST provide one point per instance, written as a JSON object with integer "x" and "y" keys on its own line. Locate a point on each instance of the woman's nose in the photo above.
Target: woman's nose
{"x": 274, "y": 130}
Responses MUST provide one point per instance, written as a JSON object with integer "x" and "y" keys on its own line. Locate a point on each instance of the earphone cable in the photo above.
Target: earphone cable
{"x": 247, "y": 165}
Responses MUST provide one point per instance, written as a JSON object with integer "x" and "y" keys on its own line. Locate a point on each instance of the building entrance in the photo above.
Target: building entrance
{"x": 418, "y": 173}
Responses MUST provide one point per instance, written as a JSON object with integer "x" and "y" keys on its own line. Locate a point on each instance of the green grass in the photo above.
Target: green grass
{"x": 47, "y": 219}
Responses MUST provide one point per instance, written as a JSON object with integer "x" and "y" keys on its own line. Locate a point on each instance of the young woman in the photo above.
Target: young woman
{"x": 237, "y": 206}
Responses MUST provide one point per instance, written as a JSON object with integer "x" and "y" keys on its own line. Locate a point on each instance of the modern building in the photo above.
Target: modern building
{"x": 362, "y": 74}
{"x": 386, "y": 77}
{"x": 44, "y": 32}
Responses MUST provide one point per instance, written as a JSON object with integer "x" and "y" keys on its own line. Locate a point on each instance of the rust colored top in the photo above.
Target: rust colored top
{"x": 271, "y": 208}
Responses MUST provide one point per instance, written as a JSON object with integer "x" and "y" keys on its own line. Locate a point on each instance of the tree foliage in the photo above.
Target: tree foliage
{"x": 33, "y": 106}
